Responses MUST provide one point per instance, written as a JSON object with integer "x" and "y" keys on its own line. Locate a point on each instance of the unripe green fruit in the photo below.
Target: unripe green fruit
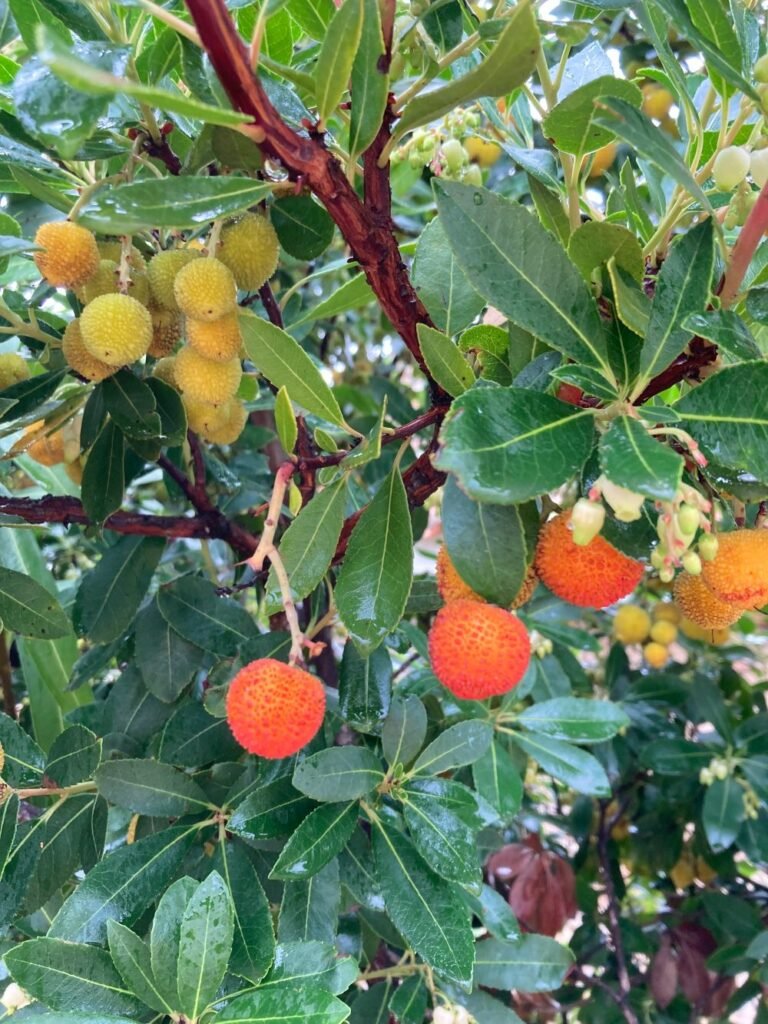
{"x": 13, "y": 369}
{"x": 758, "y": 167}
{"x": 730, "y": 167}
{"x": 761, "y": 69}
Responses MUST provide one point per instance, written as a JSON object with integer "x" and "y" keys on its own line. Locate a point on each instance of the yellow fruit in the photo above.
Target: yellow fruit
{"x": 74, "y": 471}
{"x": 739, "y": 572}
{"x": 166, "y": 332}
{"x": 684, "y": 872}
{"x": 79, "y": 358}
{"x": 705, "y": 872}
{"x": 48, "y": 449}
{"x": 664, "y": 632}
{"x": 693, "y": 631}
{"x": 219, "y": 340}
{"x": 482, "y": 152}
{"x": 116, "y": 329}
{"x": 162, "y": 271}
{"x": 235, "y": 416}
{"x": 250, "y": 249}
{"x": 205, "y": 289}
{"x": 165, "y": 370}
{"x": 665, "y": 611}
{"x": 105, "y": 282}
{"x": 698, "y": 603}
{"x": 602, "y": 160}
{"x": 114, "y": 251}
{"x": 656, "y": 655}
{"x": 632, "y": 624}
{"x": 13, "y": 369}
{"x": 202, "y": 417}
{"x": 657, "y": 101}
{"x": 204, "y": 380}
{"x": 70, "y": 254}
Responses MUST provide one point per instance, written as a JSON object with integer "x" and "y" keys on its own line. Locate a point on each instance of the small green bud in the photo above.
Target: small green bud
{"x": 760, "y": 69}
{"x": 730, "y": 167}
{"x": 454, "y": 155}
{"x": 692, "y": 563}
{"x": 658, "y": 555}
{"x": 758, "y": 167}
{"x": 708, "y": 547}
{"x": 666, "y": 575}
{"x": 688, "y": 518}
{"x": 473, "y": 175}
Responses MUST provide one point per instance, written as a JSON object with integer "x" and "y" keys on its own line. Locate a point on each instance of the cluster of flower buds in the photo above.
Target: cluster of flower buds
{"x": 752, "y": 803}
{"x": 451, "y": 1013}
{"x": 441, "y": 148}
{"x": 678, "y": 526}
{"x": 717, "y": 769}
{"x": 588, "y": 514}
{"x": 541, "y": 646}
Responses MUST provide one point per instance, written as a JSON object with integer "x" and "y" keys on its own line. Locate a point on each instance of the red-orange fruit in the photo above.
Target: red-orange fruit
{"x": 594, "y": 575}
{"x": 525, "y": 593}
{"x": 452, "y": 587}
{"x": 478, "y": 650}
{"x": 700, "y": 605}
{"x": 739, "y": 572}
{"x": 274, "y": 709}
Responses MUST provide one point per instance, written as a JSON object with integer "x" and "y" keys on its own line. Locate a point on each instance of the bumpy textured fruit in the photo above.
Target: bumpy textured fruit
{"x": 730, "y": 167}
{"x": 657, "y": 655}
{"x": 705, "y": 636}
{"x": 78, "y": 356}
{"x": 657, "y": 101}
{"x": 162, "y": 271}
{"x": 205, "y": 289}
{"x": 739, "y": 573}
{"x": 274, "y": 709}
{"x": 164, "y": 369}
{"x": 525, "y": 592}
{"x": 665, "y": 611}
{"x": 249, "y": 247}
{"x": 450, "y": 585}
{"x": 602, "y": 160}
{"x": 114, "y": 250}
{"x": 218, "y": 340}
{"x": 116, "y": 329}
{"x": 234, "y": 418}
{"x": 48, "y": 449}
{"x": 664, "y": 632}
{"x": 105, "y": 282}
{"x": 593, "y": 576}
{"x": 478, "y": 650}
{"x": 632, "y": 624}
{"x": 697, "y": 603}
{"x": 166, "y": 332}
{"x": 70, "y": 254}
{"x": 204, "y": 380}
{"x": 13, "y": 369}
{"x": 202, "y": 417}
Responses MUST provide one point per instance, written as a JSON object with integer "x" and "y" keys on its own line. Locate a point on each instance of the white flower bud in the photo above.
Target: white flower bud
{"x": 626, "y": 504}
{"x": 587, "y": 518}
{"x": 730, "y": 167}
{"x": 758, "y": 167}
{"x": 14, "y": 997}
{"x": 443, "y": 1015}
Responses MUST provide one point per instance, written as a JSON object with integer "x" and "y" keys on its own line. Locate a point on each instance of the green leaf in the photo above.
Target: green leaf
{"x": 185, "y": 202}
{"x": 507, "y": 445}
{"x": 631, "y": 458}
{"x": 533, "y": 964}
{"x": 308, "y": 545}
{"x": 495, "y": 564}
{"x": 24, "y": 760}
{"x": 458, "y": 745}
{"x": 73, "y": 757}
{"x": 444, "y": 361}
{"x": 27, "y": 395}
{"x": 9, "y": 813}
{"x": 340, "y": 773}
{"x": 727, "y": 330}
{"x": 69, "y": 841}
{"x": 676, "y": 757}
{"x": 130, "y": 955}
{"x": 190, "y": 606}
{"x": 28, "y": 608}
{"x": 312, "y": 16}
{"x": 192, "y": 738}
{"x": 598, "y": 242}
{"x": 427, "y": 910}
{"x": 506, "y": 67}
{"x": 447, "y": 844}
{"x": 131, "y": 404}
{"x": 274, "y": 809}
{"x": 303, "y": 227}
{"x": 409, "y": 1001}
{"x": 569, "y": 765}
{"x": 68, "y": 976}
{"x": 728, "y": 417}
{"x": 570, "y": 124}
{"x": 498, "y": 781}
{"x": 253, "y": 944}
{"x": 512, "y": 260}
{"x": 549, "y": 206}
{"x": 110, "y": 594}
{"x": 292, "y": 1006}
{"x": 375, "y": 578}
{"x": 404, "y": 730}
{"x": 365, "y": 686}
{"x": 104, "y": 474}
{"x": 312, "y": 964}
{"x": 576, "y": 719}
{"x": 441, "y": 284}
{"x": 207, "y": 927}
{"x": 285, "y": 364}
{"x": 121, "y": 886}
{"x": 74, "y": 1018}
{"x": 682, "y": 288}
{"x": 369, "y": 87}
{"x": 165, "y": 937}
{"x": 355, "y": 293}
{"x": 588, "y": 379}
{"x": 336, "y": 57}
{"x": 149, "y": 787}
{"x": 285, "y": 421}
{"x": 166, "y": 660}
{"x": 310, "y": 907}
{"x": 723, "y": 812}
{"x": 29, "y": 15}
{"x": 173, "y": 416}
{"x": 495, "y": 913}
{"x": 319, "y": 838}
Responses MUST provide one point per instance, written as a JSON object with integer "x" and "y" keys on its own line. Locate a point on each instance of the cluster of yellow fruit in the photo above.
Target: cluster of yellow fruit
{"x": 55, "y": 448}
{"x": 133, "y": 308}
{"x": 691, "y": 868}
{"x": 658, "y": 629}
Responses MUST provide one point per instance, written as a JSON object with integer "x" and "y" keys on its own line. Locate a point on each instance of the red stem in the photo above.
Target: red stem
{"x": 749, "y": 238}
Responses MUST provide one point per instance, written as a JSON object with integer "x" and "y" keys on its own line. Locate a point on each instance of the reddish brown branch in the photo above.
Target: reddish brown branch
{"x": 685, "y": 367}
{"x": 749, "y": 238}
{"x": 6, "y": 679}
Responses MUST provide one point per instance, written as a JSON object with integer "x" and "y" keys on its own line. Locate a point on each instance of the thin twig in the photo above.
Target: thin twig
{"x": 614, "y": 921}
{"x": 6, "y": 678}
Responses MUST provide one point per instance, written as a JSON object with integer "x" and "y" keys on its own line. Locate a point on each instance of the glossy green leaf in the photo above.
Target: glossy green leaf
{"x": 24, "y": 761}
{"x": 149, "y": 787}
{"x": 512, "y": 260}
{"x": 207, "y": 928}
{"x": 352, "y": 294}
{"x": 444, "y": 840}
{"x": 165, "y": 937}
{"x": 69, "y": 975}
{"x": 170, "y": 408}
{"x": 441, "y": 284}
{"x": 285, "y": 421}
{"x": 570, "y": 124}
{"x": 303, "y": 227}
{"x": 339, "y": 773}
{"x": 588, "y": 379}
{"x": 68, "y": 841}
{"x": 533, "y": 964}
{"x": 166, "y": 660}
{"x": 130, "y": 955}
{"x": 723, "y": 812}
{"x": 274, "y": 809}
{"x": 426, "y": 909}
{"x": 498, "y": 781}
{"x": 577, "y": 719}
{"x": 506, "y": 67}
{"x": 192, "y": 738}
{"x": 297, "y": 1006}
{"x": 316, "y": 964}
{"x": 313, "y": 16}
{"x": 456, "y": 746}
{"x": 73, "y": 757}
{"x": 9, "y": 813}
{"x": 218, "y": 624}
{"x": 253, "y": 941}
{"x": 365, "y": 686}
{"x": 375, "y": 577}
{"x": 409, "y": 1001}
{"x": 131, "y": 404}
{"x": 598, "y": 242}
{"x": 285, "y": 364}
{"x": 444, "y": 361}
{"x": 369, "y": 86}
{"x": 631, "y": 458}
{"x": 104, "y": 474}
{"x": 404, "y": 730}
{"x": 495, "y": 913}
{"x": 109, "y": 595}
{"x": 507, "y": 445}
{"x": 336, "y": 57}
{"x": 728, "y": 417}
{"x": 727, "y": 330}
{"x": 319, "y": 838}
{"x": 28, "y": 608}
{"x": 310, "y": 907}
{"x": 29, "y": 15}
{"x": 121, "y": 886}
{"x": 569, "y": 765}
{"x": 27, "y": 395}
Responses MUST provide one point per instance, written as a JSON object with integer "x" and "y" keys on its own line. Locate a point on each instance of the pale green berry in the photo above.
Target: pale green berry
{"x": 730, "y": 167}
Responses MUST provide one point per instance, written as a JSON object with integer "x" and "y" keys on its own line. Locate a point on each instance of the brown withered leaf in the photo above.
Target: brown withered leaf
{"x": 539, "y": 885}
{"x": 664, "y": 974}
